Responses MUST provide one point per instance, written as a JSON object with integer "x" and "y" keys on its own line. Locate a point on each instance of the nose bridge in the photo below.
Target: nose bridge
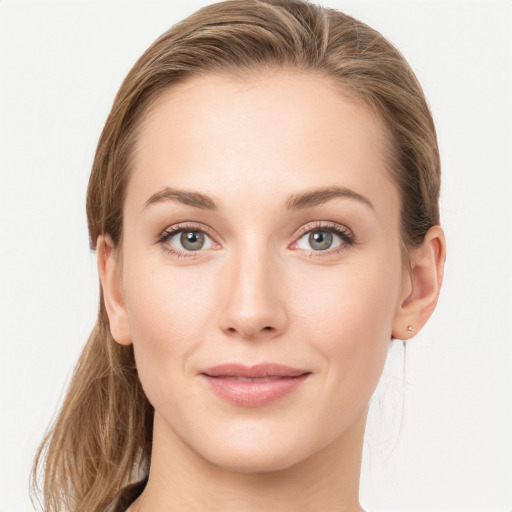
{"x": 253, "y": 304}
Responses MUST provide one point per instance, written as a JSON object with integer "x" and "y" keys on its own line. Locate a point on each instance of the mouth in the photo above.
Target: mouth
{"x": 253, "y": 386}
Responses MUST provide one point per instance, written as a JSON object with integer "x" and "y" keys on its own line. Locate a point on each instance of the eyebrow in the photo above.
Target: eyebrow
{"x": 299, "y": 201}
{"x": 189, "y": 198}
{"x": 322, "y": 195}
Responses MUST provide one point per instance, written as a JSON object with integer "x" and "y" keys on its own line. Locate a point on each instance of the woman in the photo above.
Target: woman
{"x": 264, "y": 206}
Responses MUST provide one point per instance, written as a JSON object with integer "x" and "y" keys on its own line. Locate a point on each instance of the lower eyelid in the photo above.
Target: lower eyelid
{"x": 181, "y": 254}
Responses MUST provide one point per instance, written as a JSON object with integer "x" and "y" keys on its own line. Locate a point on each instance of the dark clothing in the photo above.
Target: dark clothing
{"x": 127, "y": 496}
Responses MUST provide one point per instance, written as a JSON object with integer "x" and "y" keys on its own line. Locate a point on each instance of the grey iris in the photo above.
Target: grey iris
{"x": 192, "y": 240}
{"x": 320, "y": 240}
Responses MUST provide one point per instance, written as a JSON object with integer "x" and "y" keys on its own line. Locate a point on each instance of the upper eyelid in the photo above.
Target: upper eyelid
{"x": 191, "y": 226}
{"x": 315, "y": 225}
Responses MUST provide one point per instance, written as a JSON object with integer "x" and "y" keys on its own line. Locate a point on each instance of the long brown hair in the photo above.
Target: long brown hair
{"x": 101, "y": 438}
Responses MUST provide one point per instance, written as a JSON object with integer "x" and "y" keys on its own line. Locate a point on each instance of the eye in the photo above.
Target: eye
{"x": 324, "y": 238}
{"x": 180, "y": 240}
{"x": 190, "y": 240}
{"x": 187, "y": 240}
{"x": 319, "y": 240}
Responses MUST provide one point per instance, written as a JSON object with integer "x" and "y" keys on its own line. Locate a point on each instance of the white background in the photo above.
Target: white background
{"x": 60, "y": 66}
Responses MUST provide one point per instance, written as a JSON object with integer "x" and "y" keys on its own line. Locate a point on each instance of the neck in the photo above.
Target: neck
{"x": 180, "y": 479}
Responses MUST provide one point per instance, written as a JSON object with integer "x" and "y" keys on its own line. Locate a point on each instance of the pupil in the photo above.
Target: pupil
{"x": 320, "y": 240}
{"x": 192, "y": 240}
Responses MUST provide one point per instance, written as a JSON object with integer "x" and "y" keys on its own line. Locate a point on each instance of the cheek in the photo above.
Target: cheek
{"x": 350, "y": 301}
{"x": 348, "y": 317}
{"x": 169, "y": 313}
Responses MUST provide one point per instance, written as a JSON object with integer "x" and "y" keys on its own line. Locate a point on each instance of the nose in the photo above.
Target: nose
{"x": 253, "y": 298}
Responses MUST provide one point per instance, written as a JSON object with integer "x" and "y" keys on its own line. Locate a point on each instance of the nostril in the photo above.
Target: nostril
{"x": 267, "y": 328}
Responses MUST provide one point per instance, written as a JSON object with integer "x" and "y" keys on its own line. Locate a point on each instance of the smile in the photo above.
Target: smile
{"x": 253, "y": 386}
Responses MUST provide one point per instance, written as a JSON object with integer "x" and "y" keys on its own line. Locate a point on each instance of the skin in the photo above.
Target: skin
{"x": 258, "y": 292}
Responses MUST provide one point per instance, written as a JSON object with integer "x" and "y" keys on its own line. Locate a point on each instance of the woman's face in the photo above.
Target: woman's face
{"x": 261, "y": 266}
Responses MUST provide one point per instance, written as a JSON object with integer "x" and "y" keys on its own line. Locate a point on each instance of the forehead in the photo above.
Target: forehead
{"x": 275, "y": 133}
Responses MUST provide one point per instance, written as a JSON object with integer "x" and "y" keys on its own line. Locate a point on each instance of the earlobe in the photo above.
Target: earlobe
{"x": 421, "y": 286}
{"x": 112, "y": 290}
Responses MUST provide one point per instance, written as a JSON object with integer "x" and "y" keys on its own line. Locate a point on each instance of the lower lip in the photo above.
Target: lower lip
{"x": 255, "y": 393}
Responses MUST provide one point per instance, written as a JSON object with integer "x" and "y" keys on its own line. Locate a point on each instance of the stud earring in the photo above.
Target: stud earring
{"x": 410, "y": 328}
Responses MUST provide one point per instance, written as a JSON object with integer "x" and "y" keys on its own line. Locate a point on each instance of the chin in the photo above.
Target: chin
{"x": 255, "y": 460}
{"x": 260, "y": 447}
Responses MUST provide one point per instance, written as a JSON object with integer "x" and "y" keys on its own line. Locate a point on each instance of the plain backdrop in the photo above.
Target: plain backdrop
{"x": 440, "y": 435}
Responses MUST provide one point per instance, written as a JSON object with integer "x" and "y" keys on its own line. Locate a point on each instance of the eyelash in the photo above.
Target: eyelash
{"x": 348, "y": 238}
{"x": 345, "y": 234}
{"x": 173, "y": 230}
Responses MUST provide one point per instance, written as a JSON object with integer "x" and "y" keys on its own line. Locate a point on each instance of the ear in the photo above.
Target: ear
{"x": 421, "y": 285}
{"x": 109, "y": 269}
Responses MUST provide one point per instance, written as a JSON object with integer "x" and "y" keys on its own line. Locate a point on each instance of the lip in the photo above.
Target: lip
{"x": 253, "y": 386}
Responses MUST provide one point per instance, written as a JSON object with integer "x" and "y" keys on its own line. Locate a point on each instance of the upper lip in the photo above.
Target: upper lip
{"x": 257, "y": 371}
